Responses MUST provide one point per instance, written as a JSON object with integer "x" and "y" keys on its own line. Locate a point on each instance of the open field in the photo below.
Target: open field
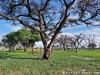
{"x": 61, "y": 63}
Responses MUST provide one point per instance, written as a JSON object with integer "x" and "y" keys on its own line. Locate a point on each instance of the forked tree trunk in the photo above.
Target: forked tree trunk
{"x": 47, "y": 53}
{"x": 47, "y": 48}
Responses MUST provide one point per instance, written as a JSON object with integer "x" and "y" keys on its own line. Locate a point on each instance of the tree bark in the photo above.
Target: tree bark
{"x": 33, "y": 47}
{"x": 14, "y": 47}
{"x": 25, "y": 48}
{"x": 32, "y": 50}
{"x": 9, "y": 48}
{"x": 76, "y": 49}
{"x": 47, "y": 53}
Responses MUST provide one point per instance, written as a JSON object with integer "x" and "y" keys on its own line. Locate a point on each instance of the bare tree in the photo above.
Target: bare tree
{"x": 67, "y": 42}
{"x": 90, "y": 41}
{"x": 46, "y": 17}
{"x": 77, "y": 40}
{"x": 61, "y": 41}
{"x": 64, "y": 42}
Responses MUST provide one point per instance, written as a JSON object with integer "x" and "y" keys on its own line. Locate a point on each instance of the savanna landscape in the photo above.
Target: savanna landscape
{"x": 49, "y": 37}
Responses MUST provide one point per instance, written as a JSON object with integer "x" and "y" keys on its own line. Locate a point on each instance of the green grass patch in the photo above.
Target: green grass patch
{"x": 61, "y": 62}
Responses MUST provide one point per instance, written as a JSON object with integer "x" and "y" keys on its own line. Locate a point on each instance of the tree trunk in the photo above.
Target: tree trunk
{"x": 13, "y": 47}
{"x": 32, "y": 50}
{"x": 46, "y": 54}
{"x": 33, "y": 47}
{"x": 9, "y": 48}
{"x": 25, "y": 48}
{"x": 76, "y": 49}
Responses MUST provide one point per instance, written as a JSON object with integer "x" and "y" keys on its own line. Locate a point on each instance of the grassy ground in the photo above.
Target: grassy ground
{"x": 61, "y": 63}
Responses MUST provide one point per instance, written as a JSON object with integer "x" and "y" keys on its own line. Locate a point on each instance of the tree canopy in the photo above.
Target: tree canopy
{"x": 11, "y": 39}
{"x": 23, "y": 36}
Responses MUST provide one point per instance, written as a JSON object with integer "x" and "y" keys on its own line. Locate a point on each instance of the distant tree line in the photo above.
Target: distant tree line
{"x": 82, "y": 41}
{"x": 25, "y": 37}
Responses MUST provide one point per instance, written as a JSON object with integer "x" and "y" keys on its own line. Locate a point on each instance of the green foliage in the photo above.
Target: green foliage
{"x": 11, "y": 38}
{"x": 35, "y": 36}
{"x": 28, "y": 37}
{"x": 92, "y": 46}
{"x": 24, "y": 35}
{"x": 1, "y": 43}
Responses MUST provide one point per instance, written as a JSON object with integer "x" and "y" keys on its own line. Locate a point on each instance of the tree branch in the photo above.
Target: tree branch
{"x": 17, "y": 19}
{"x": 62, "y": 22}
{"x": 8, "y": 17}
{"x": 30, "y": 11}
{"x": 46, "y": 4}
{"x": 95, "y": 14}
{"x": 44, "y": 21}
{"x": 29, "y": 26}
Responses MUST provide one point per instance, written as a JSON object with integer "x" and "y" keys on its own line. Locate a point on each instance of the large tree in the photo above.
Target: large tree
{"x": 48, "y": 17}
{"x": 35, "y": 37}
{"x": 23, "y": 36}
{"x": 11, "y": 40}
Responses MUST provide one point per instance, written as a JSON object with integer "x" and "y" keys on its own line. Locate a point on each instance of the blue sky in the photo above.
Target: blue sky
{"x": 7, "y": 27}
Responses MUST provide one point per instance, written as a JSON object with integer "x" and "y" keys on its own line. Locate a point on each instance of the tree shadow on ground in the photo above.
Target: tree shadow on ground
{"x": 8, "y": 56}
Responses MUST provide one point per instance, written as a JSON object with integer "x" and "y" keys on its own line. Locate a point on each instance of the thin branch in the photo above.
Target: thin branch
{"x": 12, "y": 8}
{"x": 22, "y": 15}
{"x": 46, "y": 4}
{"x": 44, "y": 21}
{"x": 30, "y": 11}
{"x": 29, "y": 26}
{"x": 65, "y": 3}
{"x": 93, "y": 15}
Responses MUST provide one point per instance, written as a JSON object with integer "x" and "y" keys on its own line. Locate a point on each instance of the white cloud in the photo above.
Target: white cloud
{"x": 14, "y": 28}
{"x": 1, "y": 36}
{"x": 11, "y": 27}
{"x": 98, "y": 38}
{"x": 93, "y": 31}
{"x": 96, "y": 23}
{"x": 68, "y": 33}
{"x": 38, "y": 44}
